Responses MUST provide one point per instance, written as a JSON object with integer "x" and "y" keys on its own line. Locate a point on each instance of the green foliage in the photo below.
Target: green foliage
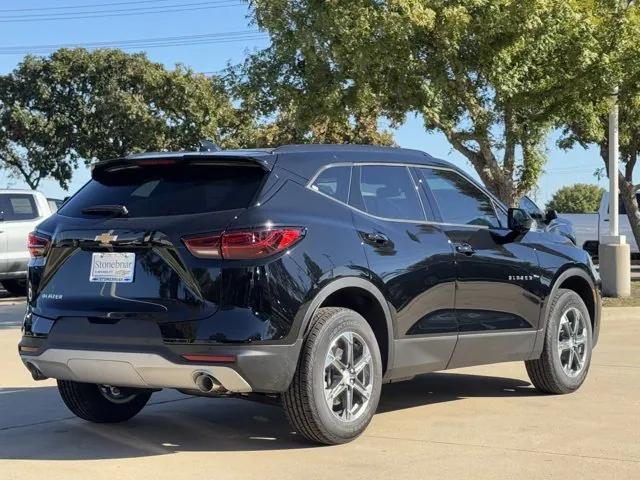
{"x": 79, "y": 105}
{"x": 578, "y": 198}
{"x": 616, "y": 26}
{"x": 489, "y": 74}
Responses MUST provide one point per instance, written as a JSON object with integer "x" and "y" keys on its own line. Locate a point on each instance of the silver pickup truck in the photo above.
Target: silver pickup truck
{"x": 590, "y": 227}
{"x": 20, "y": 212}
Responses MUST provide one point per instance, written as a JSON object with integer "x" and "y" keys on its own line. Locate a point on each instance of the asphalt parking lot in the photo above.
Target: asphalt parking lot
{"x": 483, "y": 422}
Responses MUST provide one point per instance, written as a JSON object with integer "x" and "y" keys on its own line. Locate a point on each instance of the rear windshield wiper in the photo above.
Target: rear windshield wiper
{"x": 115, "y": 210}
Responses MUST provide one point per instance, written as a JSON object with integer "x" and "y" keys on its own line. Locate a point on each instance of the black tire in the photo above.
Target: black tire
{"x": 15, "y": 287}
{"x": 87, "y": 401}
{"x": 304, "y": 402}
{"x": 547, "y": 373}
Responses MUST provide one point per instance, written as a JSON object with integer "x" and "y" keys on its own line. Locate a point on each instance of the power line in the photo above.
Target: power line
{"x": 92, "y": 11}
{"x": 180, "y": 8}
{"x": 71, "y": 7}
{"x": 202, "y": 39}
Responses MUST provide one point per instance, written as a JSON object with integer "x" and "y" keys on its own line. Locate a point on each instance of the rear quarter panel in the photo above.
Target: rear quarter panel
{"x": 279, "y": 290}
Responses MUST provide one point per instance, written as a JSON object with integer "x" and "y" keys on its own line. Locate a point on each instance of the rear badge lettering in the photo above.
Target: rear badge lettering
{"x": 51, "y": 296}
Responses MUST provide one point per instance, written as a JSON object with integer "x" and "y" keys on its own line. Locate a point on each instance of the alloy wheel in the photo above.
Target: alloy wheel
{"x": 116, "y": 394}
{"x": 572, "y": 342}
{"x": 348, "y": 376}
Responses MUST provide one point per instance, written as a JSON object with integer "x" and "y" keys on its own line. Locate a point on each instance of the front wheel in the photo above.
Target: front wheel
{"x": 336, "y": 387}
{"x": 566, "y": 355}
{"x": 102, "y": 403}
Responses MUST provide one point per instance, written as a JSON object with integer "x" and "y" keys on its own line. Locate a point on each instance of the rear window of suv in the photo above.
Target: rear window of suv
{"x": 159, "y": 190}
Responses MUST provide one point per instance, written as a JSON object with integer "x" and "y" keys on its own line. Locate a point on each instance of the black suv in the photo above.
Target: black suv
{"x": 313, "y": 274}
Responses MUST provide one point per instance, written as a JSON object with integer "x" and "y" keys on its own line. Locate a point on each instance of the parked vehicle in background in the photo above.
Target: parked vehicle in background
{"x": 54, "y": 204}
{"x": 549, "y": 221}
{"x": 590, "y": 227}
{"x": 20, "y": 212}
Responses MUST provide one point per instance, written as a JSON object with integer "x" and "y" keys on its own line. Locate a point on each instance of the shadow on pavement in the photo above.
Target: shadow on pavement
{"x": 34, "y": 424}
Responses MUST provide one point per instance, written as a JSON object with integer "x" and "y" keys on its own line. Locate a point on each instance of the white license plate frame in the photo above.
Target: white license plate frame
{"x": 112, "y": 267}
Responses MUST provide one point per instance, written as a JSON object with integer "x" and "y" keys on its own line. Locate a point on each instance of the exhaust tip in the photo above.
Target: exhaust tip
{"x": 36, "y": 374}
{"x": 207, "y": 383}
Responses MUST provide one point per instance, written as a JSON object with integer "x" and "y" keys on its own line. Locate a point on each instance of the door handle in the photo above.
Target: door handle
{"x": 465, "y": 249}
{"x": 376, "y": 238}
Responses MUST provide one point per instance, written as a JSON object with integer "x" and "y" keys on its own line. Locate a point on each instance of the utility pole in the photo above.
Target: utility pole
{"x": 614, "y": 251}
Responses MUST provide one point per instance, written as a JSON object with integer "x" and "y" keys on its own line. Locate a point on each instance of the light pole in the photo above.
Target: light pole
{"x": 614, "y": 251}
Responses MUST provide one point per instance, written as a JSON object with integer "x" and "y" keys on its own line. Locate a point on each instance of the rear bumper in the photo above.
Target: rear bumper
{"x": 259, "y": 368}
{"x": 131, "y": 352}
{"x": 128, "y": 369}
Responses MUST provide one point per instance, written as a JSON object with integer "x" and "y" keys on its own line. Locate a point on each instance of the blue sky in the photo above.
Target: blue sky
{"x": 564, "y": 168}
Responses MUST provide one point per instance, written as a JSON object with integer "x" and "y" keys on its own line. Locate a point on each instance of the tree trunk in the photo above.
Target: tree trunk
{"x": 627, "y": 188}
{"x": 628, "y": 195}
{"x": 500, "y": 186}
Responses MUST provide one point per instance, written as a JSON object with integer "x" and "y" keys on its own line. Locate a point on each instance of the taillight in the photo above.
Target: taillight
{"x": 37, "y": 245}
{"x": 244, "y": 244}
{"x": 205, "y": 246}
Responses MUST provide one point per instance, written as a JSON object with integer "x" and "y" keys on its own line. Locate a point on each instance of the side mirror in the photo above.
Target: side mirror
{"x": 519, "y": 220}
{"x": 551, "y": 216}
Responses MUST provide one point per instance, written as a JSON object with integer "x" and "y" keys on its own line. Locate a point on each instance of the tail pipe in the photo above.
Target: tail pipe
{"x": 206, "y": 383}
{"x": 36, "y": 374}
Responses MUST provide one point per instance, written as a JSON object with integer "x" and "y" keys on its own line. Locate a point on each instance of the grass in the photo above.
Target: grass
{"x": 632, "y": 301}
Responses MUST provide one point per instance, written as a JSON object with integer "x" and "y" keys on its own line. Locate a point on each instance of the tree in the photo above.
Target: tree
{"x": 617, "y": 27}
{"x": 80, "y": 105}
{"x": 578, "y": 198}
{"x": 287, "y": 114}
{"x": 489, "y": 74}
{"x": 35, "y": 131}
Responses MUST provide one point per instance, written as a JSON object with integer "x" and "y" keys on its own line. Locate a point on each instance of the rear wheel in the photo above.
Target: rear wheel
{"x": 336, "y": 388}
{"x": 101, "y": 403}
{"x": 566, "y": 355}
{"x": 15, "y": 287}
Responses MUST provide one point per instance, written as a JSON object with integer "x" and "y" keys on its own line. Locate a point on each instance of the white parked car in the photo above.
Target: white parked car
{"x": 590, "y": 227}
{"x": 20, "y": 212}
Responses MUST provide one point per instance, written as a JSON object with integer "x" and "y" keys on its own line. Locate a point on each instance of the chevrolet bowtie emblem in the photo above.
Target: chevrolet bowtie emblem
{"x": 106, "y": 238}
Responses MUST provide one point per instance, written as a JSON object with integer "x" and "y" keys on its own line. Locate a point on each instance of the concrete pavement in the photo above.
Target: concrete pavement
{"x": 11, "y": 310}
{"x": 476, "y": 423}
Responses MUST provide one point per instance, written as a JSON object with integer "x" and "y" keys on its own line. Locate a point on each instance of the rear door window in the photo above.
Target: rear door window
{"x": 160, "y": 190}
{"x": 386, "y": 192}
{"x": 18, "y": 206}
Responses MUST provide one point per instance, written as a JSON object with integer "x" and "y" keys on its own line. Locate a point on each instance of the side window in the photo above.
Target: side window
{"x": 334, "y": 182}
{"x": 459, "y": 201}
{"x": 386, "y": 191}
{"x": 17, "y": 206}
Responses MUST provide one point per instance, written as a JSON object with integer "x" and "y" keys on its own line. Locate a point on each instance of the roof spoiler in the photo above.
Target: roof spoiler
{"x": 220, "y": 158}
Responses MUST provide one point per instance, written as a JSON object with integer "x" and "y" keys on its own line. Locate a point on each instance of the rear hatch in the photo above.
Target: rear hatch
{"x": 116, "y": 248}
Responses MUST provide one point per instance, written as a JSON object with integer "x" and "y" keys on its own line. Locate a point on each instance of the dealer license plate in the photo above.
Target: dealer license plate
{"x": 112, "y": 267}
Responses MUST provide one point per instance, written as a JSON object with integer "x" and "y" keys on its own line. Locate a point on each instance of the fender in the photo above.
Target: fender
{"x": 347, "y": 282}
{"x": 544, "y": 312}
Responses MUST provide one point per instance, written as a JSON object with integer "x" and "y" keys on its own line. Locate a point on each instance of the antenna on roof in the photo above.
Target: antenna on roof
{"x": 208, "y": 146}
